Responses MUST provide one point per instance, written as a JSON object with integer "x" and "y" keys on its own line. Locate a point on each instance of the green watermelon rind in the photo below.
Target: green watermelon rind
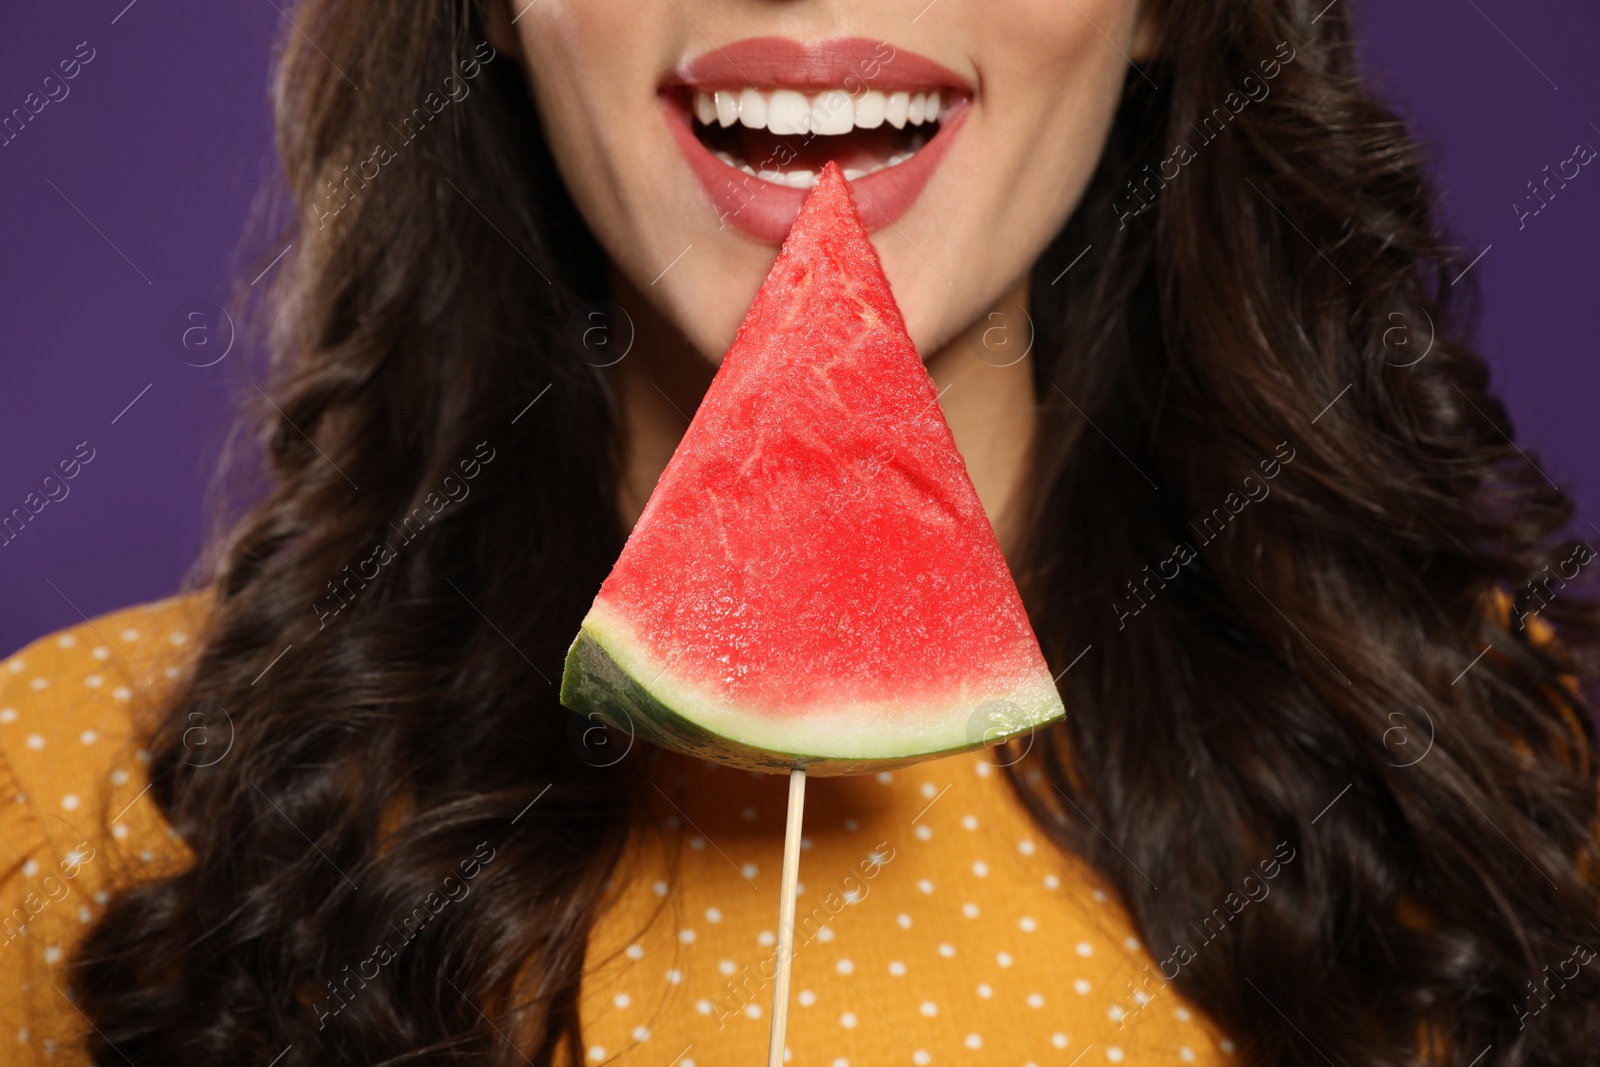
{"x": 602, "y": 679}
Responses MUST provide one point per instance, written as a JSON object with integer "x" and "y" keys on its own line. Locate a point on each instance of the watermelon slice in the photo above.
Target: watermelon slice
{"x": 813, "y": 581}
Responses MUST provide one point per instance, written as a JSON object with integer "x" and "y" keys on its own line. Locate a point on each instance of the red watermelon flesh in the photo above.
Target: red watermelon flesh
{"x": 813, "y": 580}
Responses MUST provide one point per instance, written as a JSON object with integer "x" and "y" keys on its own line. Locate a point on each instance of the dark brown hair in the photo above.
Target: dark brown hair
{"x": 1295, "y": 560}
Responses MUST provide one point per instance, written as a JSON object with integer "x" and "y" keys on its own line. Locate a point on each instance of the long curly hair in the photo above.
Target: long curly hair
{"x": 1300, "y": 571}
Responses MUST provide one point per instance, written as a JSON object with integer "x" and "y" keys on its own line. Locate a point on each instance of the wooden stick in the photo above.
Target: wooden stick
{"x": 791, "y": 871}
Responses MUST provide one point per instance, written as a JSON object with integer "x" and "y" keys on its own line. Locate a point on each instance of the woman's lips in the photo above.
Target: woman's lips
{"x": 781, "y": 61}
{"x": 851, "y": 84}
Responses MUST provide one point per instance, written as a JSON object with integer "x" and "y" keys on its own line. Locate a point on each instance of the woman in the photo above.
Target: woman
{"x": 1326, "y": 789}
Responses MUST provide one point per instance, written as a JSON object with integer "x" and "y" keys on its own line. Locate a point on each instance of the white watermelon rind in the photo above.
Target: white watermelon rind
{"x": 609, "y": 675}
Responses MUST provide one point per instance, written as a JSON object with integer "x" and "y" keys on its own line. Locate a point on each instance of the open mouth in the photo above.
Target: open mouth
{"x": 786, "y": 137}
{"x": 758, "y": 119}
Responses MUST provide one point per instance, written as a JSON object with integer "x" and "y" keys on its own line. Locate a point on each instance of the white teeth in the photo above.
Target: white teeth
{"x": 788, "y": 113}
{"x": 805, "y": 179}
{"x": 735, "y": 164}
{"x": 794, "y": 179}
{"x": 833, "y": 113}
{"x": 753, "y": 109}
{"x": 869, "y": 110}
{"x": 896, "y": 108}
{"x": 705, "y": 109}
{"x": 829, "y": 113}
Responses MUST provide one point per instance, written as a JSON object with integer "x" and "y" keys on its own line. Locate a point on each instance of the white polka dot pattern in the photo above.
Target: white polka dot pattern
{"x": 67, "y": 708}
{"x": 973, "y": 940}
{"x": 935, "y": 922}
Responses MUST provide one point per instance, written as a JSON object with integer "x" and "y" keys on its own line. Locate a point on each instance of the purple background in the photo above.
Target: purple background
{"x": 164, "y": 140}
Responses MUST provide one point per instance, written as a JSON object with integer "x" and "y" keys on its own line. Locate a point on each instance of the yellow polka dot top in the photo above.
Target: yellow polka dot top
{"x": 935, "y": 925}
